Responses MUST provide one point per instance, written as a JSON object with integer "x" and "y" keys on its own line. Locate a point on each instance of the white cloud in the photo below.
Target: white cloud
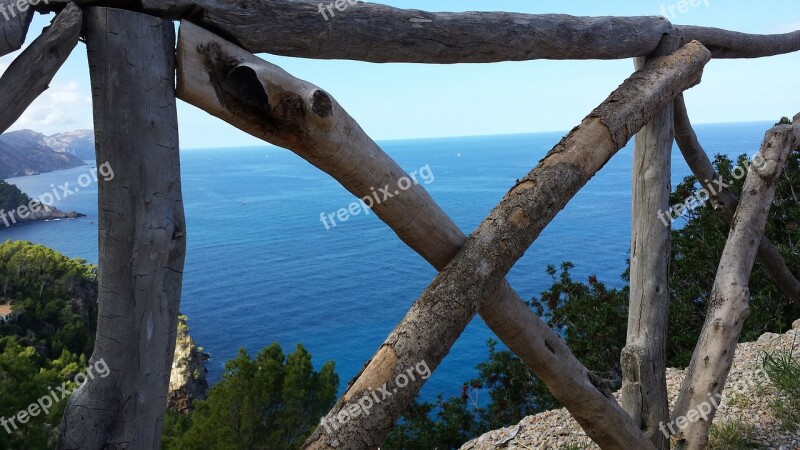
{"x": 64, "y": 107}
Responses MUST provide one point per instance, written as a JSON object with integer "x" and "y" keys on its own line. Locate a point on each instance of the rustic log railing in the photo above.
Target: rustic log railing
{"x": 142, "y": 230}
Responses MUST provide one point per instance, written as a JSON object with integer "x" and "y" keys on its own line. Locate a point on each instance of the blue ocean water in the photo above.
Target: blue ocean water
{"x": 262, "y": 268}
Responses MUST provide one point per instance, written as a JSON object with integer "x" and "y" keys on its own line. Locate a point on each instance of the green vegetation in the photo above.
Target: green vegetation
{"x": 11, "y": 197}
{"x": 272, "y": 401}
{"x": 55, "y": 297}
{"x": 731, "y": 435}
{"x": 783, "y": 370}
{"x": 50, "y": 339}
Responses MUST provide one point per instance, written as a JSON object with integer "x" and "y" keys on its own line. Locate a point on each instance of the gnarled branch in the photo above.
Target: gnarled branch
{"x": 732, "y": 44}
{"x": 33, "y": 70}
{"x": 644, "y": 357}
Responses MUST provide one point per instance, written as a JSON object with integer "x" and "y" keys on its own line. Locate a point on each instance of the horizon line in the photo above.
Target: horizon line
{"x": 267, "y": 144}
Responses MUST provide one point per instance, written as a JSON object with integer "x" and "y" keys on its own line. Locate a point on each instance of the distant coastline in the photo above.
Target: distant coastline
{"x": 47, "y": 213}
{"x": 27, "y": 152}
{"x": 17, "y": 208}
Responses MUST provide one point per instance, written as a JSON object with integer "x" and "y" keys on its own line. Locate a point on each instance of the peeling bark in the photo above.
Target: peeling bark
{"x": 725, "y": 201}
{"x": 33, "y": 70}
{"x": 729, "y": 304}
{"x": 142, "y": 237}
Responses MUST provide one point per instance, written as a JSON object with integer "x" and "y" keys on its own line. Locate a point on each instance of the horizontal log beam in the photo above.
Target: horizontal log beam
{"x": 731, "y": 44}
{"x": 378, "y": 33}
{"x": 14, "y": 25}
{"x": 33, "y": 70}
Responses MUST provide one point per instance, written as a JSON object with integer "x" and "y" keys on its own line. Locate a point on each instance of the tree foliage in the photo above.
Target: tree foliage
{"x": 11, "y": 197}
{"x": 272, "y": 401}
{"x": 48, "y": 342}
{"x": 55, "y": 298}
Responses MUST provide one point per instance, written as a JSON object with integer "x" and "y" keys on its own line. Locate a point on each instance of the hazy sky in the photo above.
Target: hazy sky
{"x": 397, "y": 101}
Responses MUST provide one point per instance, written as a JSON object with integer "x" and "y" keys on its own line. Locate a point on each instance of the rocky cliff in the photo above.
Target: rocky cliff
{"x": 26, "y": 152}
{"x": 79, "y": 143}
{"x": 187, "y": 382}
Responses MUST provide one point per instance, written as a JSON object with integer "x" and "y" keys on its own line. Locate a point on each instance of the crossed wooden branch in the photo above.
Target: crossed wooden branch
{"x": 141, "y": 216}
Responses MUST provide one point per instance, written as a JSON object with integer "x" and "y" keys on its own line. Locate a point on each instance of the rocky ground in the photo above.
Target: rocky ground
{"x": 746, "y": 404}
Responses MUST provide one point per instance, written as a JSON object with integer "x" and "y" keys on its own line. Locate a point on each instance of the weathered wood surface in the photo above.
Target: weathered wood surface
{"x": 725, "y": 202}
{"x": 142, "y": 237}
{"x": 378, "y": 33}
{"x": 14, "y": 24}
{"x": 367, "y": 31}
{"x": 732, "y": 44}
{"x": 220, "y": 78}
{"x": 270, "y": 104}
{"x": 477, "y": 271}
{"x": 32, "y": 71}
{"x": 729, "y": 304}
{"x": 643, "y": 359}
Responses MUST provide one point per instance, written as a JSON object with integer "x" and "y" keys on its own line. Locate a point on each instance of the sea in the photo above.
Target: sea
{"x": 262, "y": 267}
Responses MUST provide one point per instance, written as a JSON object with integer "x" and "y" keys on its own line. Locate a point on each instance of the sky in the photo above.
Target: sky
{"x": 407, "y": 101}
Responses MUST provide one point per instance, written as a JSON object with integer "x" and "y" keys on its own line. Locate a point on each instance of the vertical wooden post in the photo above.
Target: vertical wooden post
{"x": 644, "y": 389}
{"x": 142, "y": 238}
{"x": 729, "y": 303}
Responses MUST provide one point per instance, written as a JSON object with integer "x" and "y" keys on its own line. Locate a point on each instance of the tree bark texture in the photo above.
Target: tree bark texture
{"x": 643, "y": 360}
{"x": 368, "y": 31}
{"x": 729, "y": 304}
{"x": 142, "y": 237}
